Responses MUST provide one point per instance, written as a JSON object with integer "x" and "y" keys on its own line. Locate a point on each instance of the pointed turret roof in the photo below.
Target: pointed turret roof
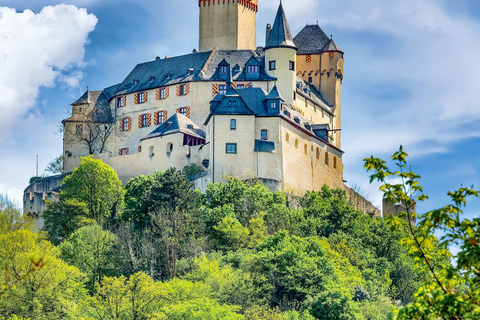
{"x": 280, "y": 36}
{"x": 274, "y": 94}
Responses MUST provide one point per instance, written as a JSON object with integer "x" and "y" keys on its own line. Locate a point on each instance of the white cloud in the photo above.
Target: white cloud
{"x": 36, "y": 50}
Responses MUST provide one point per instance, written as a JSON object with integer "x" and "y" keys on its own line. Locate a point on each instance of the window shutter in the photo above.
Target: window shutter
{"x": 119, "y": 152}
{"x": 139, "y": 149}
{"x": 120, "y": 125}
{"x": 145, "y": 96}
{"x": 214, "y": 89}
{"x": 165, "y": 116}
{"x": 178, "y": 110}
{"x": 178, "y": 90}
{"x": 149, "y": 117}
{"x": 166, "y": 92}
{"x": 187, "y": 88}
{"x": 129, "y": 123}
{"x": 155, "y": 118}
{"x": 157, "y": 94}
{"x": 140, "y": 121}
{"x": 136, "y": 98}
{"x": 188, "y": 112}
{"x": 126, "y": 151}
{"x": 247, "y": 85}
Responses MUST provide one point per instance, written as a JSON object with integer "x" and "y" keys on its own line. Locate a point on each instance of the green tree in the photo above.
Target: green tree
{"x": 452, "y": 291}
{"x": 92, "y": 250}
{"x": 122, "y": 299}
{"x": 63, "y": 217}
{"x": 38, "y": 284}
{"x": 97, "y": 185}
{"x": 334, "y": 304}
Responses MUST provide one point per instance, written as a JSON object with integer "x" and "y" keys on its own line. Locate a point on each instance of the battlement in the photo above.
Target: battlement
{"x": 249, "y": 4}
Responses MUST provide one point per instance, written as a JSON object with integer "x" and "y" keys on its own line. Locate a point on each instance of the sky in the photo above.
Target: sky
{"x": 411, "y": 78}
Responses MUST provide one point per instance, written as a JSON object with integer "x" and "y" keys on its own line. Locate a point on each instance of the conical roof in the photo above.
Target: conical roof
{"x": 280, "y": 36}
{"x": 332, "y": 46}
{"x": 274, "y": 94}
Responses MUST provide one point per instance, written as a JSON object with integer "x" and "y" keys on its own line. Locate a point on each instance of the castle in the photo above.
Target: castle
{"x": 272, "y": 113}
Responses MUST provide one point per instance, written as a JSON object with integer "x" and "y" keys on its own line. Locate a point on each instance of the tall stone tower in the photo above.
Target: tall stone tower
{"x": 228, "y": 24}
{"x": 320, "y": 62}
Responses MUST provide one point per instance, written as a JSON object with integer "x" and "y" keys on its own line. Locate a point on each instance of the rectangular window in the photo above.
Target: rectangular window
{"x": 182, "y": 111}
{"x": 264, "y": 134}
{"x": 223, "y": 69}
{"x": 231, "y": 148}
{"x": 159, "y": 117}
{"x": 310, "y": 79}
{"x": 121, "y": 102}
{"x": 222, "y": 89}
{"x": 252, "y": 69}
{"x": 123, "y": 152}
{"x": 125, "y": 124}
{"x": 272, "y": 65}
{"x": 144, "y": 120}
{"x": 162, "y": 93}
{"x": 273, "y": 105}
{"x": 291, "y": 65}
{"x": 233, "y": 124}
{"x": 182, "y": 89}
{"x": 79, "y": 129}
{"x": 232, "y": 103}
{"x": 141, "y": 97}
{"x": 240, "y": 86}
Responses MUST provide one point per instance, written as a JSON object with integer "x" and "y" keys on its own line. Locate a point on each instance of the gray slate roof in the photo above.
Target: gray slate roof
{"x": 312, "y": 40}
{"x": 177, "y": 123}
{"x": 101, "y": 112}
{"x": 280, "y": 36}
{"x": 274, "y": 94}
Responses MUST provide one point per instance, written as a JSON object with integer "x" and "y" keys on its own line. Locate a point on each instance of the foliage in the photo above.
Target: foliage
{"x": 452, "y": 290}
{"x": 192, "y": 170}
{"x": 97, "y": 185}
{"x": 39, "y": 285}
{"x": 91, "y": 249}
{"x": 333, "y": 304}
{"x": 56, "y": 166}
{"x": 62, "y": 218}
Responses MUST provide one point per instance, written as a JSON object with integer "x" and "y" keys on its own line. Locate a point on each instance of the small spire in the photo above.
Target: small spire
{"x": 317, "y": 21}
{"x": 87, "y": 88}
{"x": 331, "y": 37}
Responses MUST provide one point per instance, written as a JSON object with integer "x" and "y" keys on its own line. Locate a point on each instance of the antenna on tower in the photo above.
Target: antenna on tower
{"x": 36, "y": 175}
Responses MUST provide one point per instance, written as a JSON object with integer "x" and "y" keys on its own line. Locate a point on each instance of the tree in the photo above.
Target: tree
{"x": 63, "y": 217}
{"x": 92, "y": 250}
{"x": 97, "y": 185}
{"x": 452, "y": 290}
{"x": 56, "y": 166}
{"x": 38, "y": 284}
{"x": 119, "y": 298}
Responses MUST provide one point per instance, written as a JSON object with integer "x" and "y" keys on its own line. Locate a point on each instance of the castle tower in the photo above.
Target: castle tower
{"x": 281, "y": 56}
{"x": 228, "y": 24}
{"x": 320, "y": 62}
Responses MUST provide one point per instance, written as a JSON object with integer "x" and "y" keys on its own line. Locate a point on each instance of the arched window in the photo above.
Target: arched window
{"x": 150, "y": 152}
{"x": 169, "y": 148}
{"x": 287, "y": 138}
{"x": 335, "y": 162}
{"x": 305, "y": 149}
{"x": 326, "y": 158}
{"x": 233, "y": 124}
{"x": 296, "y": 144}
{"x": 318, "y": 153}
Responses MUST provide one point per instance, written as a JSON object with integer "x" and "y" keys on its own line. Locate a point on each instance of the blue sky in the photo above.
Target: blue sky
{"x": 412, "y": 76}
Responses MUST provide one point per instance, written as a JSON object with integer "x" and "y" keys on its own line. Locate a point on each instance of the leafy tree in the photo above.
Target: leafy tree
{"x": 192, "y": 170}
{"x": 92, "y": 250}
{"x": 230, "y": 234}
{"x": 452, "y": 291}
{"x": 334, "y": 304}
{"x": 56, "y": 166}
{"x": 63, "y": 217}
{"x": 38, "y": 284}
{"x": 97, "y": 185}
{"x": 119, "y": 298}
{"x": 287, "y": 270}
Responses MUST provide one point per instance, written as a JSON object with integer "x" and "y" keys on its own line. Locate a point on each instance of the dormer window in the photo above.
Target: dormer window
{"x": 189, "y": 71}
{"x": 223, "y": 69}
{"x": 252, "y": 69}
{"x": 232, "y": 103}
{"x": 168, "y": 125}
{"x": 135, "y": 82}
{"x": 273, "y": 105}
{"x": 167, "y": 76}
{"x": 152, "y": 78}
